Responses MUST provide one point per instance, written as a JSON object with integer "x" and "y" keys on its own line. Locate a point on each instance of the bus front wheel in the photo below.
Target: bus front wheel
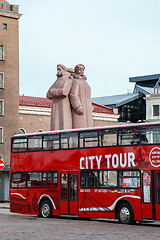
{"x": 125, "y": 214}
{"x": 46, "y": 209}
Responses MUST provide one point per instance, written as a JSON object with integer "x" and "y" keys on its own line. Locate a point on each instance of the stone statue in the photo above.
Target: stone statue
{"x": 59, "y": 94}
{"x": 80, "y": 99}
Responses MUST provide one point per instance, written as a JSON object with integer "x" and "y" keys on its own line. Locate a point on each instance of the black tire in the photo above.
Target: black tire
{"x": 46, "y": 209}
{"x": 125, "y": 214}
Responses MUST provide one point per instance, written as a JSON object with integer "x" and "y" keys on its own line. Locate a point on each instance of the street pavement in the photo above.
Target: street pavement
{"x": 17, "y": 227}
{"x": 4, "y": 205}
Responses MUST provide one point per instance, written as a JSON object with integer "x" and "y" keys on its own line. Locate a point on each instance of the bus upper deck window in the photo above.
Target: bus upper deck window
{"x": 89, "y": 139}
{"x": 51, "y": 142}
{"x": 34, "y": 143}
{"x": 108, "y": 137}
{"x": 69, "y": 140}
{"x": 150, "y": 135}
{"x": 129, "y": 136}
{"x": 19, "y": 145}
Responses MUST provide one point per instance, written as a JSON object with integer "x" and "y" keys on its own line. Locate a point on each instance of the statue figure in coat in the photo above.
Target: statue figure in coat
{"x": 61, "y": 117}
{"x": 80, "y": 99}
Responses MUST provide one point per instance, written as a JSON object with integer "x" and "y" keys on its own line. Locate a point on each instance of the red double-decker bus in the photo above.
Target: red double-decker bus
{"x": 108, "y": 172}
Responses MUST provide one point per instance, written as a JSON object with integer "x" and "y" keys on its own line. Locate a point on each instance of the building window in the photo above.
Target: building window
{"x": 5, "y": 26}
{"x": 1, "y": 108}
{"x": 155, "y": 110}
{"x": 1, "y": 52}
{"x": 1, "y": 81}
{"x": 1, "y": 135}
{"x": 39, "y": 131}
{"x": 21, "y": 131}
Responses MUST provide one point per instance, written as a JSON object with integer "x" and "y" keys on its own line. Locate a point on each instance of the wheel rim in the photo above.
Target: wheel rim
{"x": 124, "y": 214}
{"x": 45, "y": 210}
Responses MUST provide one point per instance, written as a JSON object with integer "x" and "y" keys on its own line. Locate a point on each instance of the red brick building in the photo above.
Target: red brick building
{"x": 9, "y": 85}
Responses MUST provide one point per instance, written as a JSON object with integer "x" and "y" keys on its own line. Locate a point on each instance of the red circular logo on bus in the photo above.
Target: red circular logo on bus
{"x": 1, "y": 164}
{"x": 154, "y": 157}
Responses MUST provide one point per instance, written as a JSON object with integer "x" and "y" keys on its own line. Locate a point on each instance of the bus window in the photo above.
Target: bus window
{"x": 158, "y": 187}
{"x": 51, "y": 142}
{"x": 50, "y": 179}
{"x": 129, "y": 136}
{"x": 34, "y": 143}
{"x": 19, "y": 145}
{"x": 108, "y": 178}
{"x": 83, "y": 179}
{"x": 64, "y": 141}
{"x": 69, "y": 140}
{"x": 156, "y": 136}
{"x": 129, "y": 179}
{"x": 34, "y": 179}
{"x": 108, "y": 137}
{"x": 89, "y": 178}
{"x": 64, "y": 181}
{"x": 73, "y": 140}
{"x": 18, "y": 180}
{"x": 102, "y": 178}
{"x": 89, "y": 139}
{"x": 73, "y": 192}
{"x": 151, "y": 135}
{"x": 146, "y": 187}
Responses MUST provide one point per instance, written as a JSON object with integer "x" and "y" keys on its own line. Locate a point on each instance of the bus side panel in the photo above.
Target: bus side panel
{"x": 101, "y": 203}
{"x": 26, "y": 201}
{"x": 19, "y": 202}
{"x": 98, "y": 214}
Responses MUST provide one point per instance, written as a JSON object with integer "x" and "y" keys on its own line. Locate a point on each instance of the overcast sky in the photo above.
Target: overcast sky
{"x": 114, "y": 39}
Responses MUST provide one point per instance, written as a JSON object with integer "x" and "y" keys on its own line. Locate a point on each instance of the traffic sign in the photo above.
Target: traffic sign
{"x": 1, "y": 164}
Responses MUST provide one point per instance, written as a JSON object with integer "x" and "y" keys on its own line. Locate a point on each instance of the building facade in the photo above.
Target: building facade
{"x": 152, "y": 107}
{"x": 35, "y": 114}
{"x": 9, "y": 85}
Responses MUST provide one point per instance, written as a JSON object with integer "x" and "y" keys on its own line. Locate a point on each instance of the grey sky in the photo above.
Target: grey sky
{"x": 114, "y": 39}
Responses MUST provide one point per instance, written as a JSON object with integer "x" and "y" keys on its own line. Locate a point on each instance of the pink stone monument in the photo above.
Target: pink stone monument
{"x": 71, "y": 99}
{"x": 61, "y": 117}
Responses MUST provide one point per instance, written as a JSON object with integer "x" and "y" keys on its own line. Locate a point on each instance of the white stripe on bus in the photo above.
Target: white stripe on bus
{"x": 18, "y": 195}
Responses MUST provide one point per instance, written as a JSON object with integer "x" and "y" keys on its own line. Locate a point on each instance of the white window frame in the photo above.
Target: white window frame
{"x": 1, "y": 73}
{"x": 2, "y": 135}
{"x": 1, "y": 100}
{"x": 23, "y": 130}
{"x": 39, "y": 131}
{"x": 2, "y": 59}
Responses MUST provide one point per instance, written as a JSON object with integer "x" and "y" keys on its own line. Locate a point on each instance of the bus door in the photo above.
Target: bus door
{"x": 69, "y": 193}
{"x": 157, "y": 189}
{"x": 148, "y": 194}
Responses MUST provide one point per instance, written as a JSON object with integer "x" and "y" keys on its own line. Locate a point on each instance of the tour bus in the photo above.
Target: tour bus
{"x": 109, "y": 172}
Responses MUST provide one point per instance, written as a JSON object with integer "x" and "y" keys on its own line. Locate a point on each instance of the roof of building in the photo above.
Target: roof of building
{"x": 44, "y": 102}
{"x": 145, "y": 78}
{"x": 101, "y": 109}
{"x": 116, "y": 100}
{"x": 144, "y": 90}
{"x": 34, "y": 101}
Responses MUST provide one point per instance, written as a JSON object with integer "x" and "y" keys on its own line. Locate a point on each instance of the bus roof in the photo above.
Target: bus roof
{"x": 128, "y": 125}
